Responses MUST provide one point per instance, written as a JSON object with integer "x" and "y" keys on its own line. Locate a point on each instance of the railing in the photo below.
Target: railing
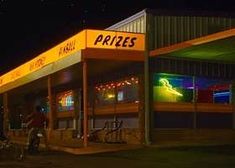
{"x": 114, "y": 133}
{"x": 111, "y": 132}
{"x": 94, "y": 134}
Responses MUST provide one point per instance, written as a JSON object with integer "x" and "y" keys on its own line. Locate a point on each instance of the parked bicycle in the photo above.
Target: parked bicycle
{"x": 11, "y": 150}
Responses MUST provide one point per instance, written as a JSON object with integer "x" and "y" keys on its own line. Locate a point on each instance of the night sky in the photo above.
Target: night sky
{"x": 30, "y": 27}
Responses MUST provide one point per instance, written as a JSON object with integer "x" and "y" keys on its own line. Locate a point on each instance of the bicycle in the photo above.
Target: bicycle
{"x": 11, "y": 150}
{"x": 34, "y": 141}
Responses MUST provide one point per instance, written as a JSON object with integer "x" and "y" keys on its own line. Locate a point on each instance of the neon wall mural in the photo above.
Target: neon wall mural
{"x": 172, "y": 88}
{"x": 180, "y": 88}
{"x": 168, "y": 87}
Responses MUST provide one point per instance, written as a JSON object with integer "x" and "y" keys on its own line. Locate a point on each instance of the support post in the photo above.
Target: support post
{"x": 232, "y": 101}
{"x": 141, "y": 109}
{"x": 194, "y": 103}
{"x": 85, "y": 108}
{"x": 51, "y": 113}
{"x": 5, "y": 114}
{"x": 147, "y": 108}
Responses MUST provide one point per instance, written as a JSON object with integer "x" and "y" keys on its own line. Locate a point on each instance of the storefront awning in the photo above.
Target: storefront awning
{"x": 88, "y": 44}
{"x": 217, "y": 47}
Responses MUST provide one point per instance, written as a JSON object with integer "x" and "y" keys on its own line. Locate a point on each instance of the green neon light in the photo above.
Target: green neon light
{"x": 168, "y": 86}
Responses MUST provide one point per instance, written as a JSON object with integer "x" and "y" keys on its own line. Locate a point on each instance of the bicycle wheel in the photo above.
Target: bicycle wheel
{"x": 15, "y": 151}
{"x": 19, "y": 152}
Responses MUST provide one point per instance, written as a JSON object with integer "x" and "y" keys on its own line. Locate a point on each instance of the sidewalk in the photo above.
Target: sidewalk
{"x": 95, "y": 148}
{"x": 92, "y": 148}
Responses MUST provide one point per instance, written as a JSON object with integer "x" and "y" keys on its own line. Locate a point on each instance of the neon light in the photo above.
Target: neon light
{"x": 168, "y": 86}
{"x": 221, "y": 94}
{"x": 128, "y": 83}
{"x": 110, "y": 96}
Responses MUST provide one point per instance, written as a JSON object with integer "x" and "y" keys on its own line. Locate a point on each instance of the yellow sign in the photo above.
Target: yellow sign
{"x": 115, "y": 40}
{"x": 82, "y": 40}
{"x": 64, "y": 49}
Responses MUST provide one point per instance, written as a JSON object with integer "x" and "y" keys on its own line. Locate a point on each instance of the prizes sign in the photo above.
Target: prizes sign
{"x": 115, "y": 40}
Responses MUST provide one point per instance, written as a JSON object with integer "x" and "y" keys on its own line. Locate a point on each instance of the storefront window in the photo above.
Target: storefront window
{"x": 65, "y": 101}
{"x": 127, "y": 90}
{"x": 105, "y": 94}
{"x": 172, "y": 88}
{"x": 123, "y": 91}
{"x": 213, "y": 91}
{"x": 65, "y": 123}
{"x": 44, "y": 103}
{"x": 177, "y": 88}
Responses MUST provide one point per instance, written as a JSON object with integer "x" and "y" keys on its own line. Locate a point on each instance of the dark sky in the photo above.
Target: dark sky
{"x": 30, "y": 27}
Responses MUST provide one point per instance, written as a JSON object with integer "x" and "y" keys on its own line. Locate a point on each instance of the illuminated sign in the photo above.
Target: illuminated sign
{"x": 38, "y": 63}
{"x": 67, "y": 48}
{"x": 84, "y": 39}
{"x": 65, "y": 101}
{"x": 115, "y": 40}
{"x": 168, "y": 86}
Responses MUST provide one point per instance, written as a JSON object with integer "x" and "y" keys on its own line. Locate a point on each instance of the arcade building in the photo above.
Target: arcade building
{"x": 155, "y": 77}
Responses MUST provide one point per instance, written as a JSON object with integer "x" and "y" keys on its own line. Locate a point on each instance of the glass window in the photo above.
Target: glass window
{"x": 65, "y": 101}
{"x": 44, "y": 103}
{"x": 213, "y": 91}
{"x": 105, "y": 94}
{"x": 122, "y": 91}
{"x": 65, "y": 123}
{"x": 172, "y": 88}
{"x": 127, "y": 90}
{"x": 62, "y": 124}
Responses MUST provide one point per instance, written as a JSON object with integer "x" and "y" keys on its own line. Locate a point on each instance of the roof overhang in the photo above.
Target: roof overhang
{"x": 107, "y": 54}
{"x": 88, "y": 44}
{"x": 215, "y": 47}
{"x": 44, "y": 71}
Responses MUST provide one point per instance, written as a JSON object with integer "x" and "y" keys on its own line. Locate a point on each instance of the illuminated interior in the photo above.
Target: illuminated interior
{"x": 165, "y": 83}
{"x": 122, "y": 91}
{"x": 213, "y": 91}
{"x": 179, "y": 88}
{"x": 172, "y": 88}
{"x": 65, "y": 101}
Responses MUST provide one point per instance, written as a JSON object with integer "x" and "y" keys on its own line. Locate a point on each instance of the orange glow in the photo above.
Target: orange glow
{"x": 46, "y": 58}
{"x": 82, "y": 40}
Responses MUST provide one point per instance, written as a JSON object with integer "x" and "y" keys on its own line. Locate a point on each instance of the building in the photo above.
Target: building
{"x": 176, "y": 83}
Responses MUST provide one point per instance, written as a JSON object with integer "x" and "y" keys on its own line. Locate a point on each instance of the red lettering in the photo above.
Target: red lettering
{"x": 68, "y": 47}
{"x": 37, "y": 64}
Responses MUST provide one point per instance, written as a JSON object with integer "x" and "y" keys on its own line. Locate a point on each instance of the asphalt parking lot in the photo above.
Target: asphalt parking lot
{"x": 222, "y": 156}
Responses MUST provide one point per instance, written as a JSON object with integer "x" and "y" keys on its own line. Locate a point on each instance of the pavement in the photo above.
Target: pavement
{"x": 95, "y": 148}
{"x": 79, "y": 149}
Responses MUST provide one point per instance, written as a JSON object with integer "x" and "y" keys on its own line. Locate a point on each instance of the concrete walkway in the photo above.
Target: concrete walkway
{"x": 92, "y": 148}
{"x": 95, "y": 148}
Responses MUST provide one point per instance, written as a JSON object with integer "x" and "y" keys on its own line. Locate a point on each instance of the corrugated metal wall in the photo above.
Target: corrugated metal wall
{"x": 168, "y": 30}
{"x": 193, "y": 67}
{"x": 135, "y": 24}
